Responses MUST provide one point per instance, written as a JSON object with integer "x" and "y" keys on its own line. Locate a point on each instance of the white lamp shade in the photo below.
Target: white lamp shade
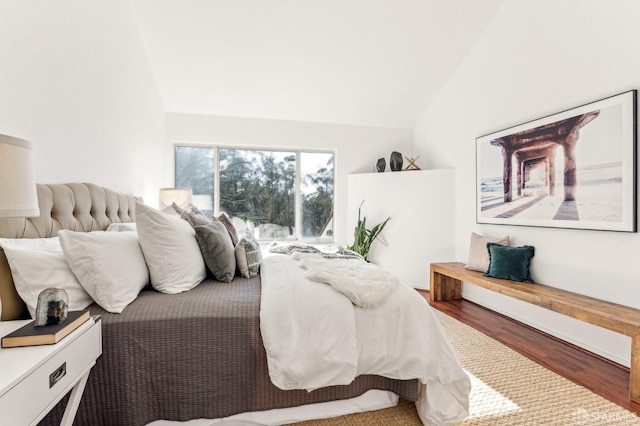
{"x": 18, "y": 194}
{"x": 181, "y": 196}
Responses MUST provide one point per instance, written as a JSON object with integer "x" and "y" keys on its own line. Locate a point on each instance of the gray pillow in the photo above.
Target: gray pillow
{"x": 226, "y": 221}
{"x": 195, "y": 218}
{"x": 217, "y": 250}
{"x": 248, "y": 257}
{"x": 191, "y": 214}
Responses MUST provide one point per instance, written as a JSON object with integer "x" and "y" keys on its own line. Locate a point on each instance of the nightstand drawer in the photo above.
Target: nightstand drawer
{"x": 37, "y": 393}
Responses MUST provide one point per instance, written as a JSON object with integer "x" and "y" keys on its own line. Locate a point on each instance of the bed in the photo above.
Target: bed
{"x": 198, "y": 354}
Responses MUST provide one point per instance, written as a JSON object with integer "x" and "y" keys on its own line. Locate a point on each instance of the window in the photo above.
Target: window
{"x": 270, "y": 194}
{"x": 259, "y": 188}
{"x": 316, "y": 194}
{"x": 195, "y": 170}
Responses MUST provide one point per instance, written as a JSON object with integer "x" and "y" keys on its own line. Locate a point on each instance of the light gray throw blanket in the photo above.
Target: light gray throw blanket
{"x": 365, "y": 284}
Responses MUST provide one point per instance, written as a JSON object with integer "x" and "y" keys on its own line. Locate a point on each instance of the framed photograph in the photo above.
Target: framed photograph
{"x": 574, "y": 169}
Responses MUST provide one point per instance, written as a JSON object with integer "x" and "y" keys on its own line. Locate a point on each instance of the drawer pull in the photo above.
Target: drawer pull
{"x": 58, "y": 374}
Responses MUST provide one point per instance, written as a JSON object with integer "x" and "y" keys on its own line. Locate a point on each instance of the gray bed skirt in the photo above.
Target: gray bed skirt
{"x": 192, "y": 355}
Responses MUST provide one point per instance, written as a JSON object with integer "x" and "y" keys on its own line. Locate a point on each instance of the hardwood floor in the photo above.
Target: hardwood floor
{"x": 595, "y": 373}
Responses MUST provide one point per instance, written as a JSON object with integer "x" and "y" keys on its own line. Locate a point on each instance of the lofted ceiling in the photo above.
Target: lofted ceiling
{"x": 361, "y": 62}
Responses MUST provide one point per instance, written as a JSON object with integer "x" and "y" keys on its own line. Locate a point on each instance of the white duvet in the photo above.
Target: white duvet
{"x": 315, "y": 337}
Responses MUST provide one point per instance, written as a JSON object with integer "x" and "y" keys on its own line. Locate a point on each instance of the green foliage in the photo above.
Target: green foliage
{"x": 363, "y": 237}
{"x": 317, "y": 206}
{"x": 260, "y": 186}
{"x": 255, "y": 186}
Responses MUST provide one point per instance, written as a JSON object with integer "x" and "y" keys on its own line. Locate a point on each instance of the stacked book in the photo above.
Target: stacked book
{"x": 32, "y": 335}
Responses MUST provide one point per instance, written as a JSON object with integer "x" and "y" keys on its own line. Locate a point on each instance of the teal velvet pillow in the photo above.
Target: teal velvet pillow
{"x": 509, "y": 263}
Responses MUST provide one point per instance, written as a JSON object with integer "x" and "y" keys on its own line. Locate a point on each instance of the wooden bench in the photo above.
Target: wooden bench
{"x": 446, "y": 284}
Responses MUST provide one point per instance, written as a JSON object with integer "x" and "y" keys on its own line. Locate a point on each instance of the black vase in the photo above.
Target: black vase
{"x": 381, "y": 165}
{"x": 395, "y": 162}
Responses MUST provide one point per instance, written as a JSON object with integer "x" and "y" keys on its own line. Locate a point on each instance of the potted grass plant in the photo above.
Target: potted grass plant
{"x": 363, "y": 237}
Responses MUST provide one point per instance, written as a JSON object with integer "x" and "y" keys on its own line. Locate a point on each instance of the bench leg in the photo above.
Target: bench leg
{"x": 443, "y": 287}
{"x": 634, "y": 376}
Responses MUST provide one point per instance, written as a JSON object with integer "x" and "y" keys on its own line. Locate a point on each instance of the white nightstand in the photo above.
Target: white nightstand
{"x": 34, "y": 379}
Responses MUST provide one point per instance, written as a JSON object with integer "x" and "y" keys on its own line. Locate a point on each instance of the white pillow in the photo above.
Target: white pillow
{"x": 478, "y": 252}
{"x": 37, "y": 264}
{"x": 109, "y": 265}
{"x": 121, "y": 227}
{"x": 170, "y": 249}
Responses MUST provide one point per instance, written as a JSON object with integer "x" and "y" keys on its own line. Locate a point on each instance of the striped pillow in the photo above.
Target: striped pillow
{"x": 248, "y": 257}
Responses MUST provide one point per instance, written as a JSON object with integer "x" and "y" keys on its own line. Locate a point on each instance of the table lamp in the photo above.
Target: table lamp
{"x": 181, "y": 196}
{"x": 18, "y": 193}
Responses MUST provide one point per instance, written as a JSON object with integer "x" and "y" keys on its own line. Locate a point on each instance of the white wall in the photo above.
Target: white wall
{"x": 421, "y": 227}
{"x": 535, "y": 59}
{"x": 75, "y": 81}
{"x": 357, "y": 147}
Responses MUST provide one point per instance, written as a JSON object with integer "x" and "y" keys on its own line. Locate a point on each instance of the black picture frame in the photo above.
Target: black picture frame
{"x": 574, "y": 169}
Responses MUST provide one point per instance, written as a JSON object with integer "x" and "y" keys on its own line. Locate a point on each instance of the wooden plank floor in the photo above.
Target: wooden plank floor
{"x": 595, "y": 373}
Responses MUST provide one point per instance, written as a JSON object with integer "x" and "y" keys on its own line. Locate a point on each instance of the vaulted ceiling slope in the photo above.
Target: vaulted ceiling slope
{"x": 361, "y": 62}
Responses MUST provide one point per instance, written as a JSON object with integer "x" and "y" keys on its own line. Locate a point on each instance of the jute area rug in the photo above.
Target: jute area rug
{"x": 507, "y": 389}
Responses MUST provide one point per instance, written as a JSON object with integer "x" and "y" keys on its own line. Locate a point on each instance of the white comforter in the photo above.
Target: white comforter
{"x": 315, "y": 337}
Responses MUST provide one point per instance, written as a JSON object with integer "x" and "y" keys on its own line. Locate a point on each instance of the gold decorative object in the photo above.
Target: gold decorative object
{"x": 412, "y": 163}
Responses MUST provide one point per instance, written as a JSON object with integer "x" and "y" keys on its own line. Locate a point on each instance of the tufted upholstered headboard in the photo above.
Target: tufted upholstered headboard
{"x": 82, "y": 207}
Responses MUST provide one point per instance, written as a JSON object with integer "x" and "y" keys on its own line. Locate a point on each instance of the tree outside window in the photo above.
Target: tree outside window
{"x": 257, "y": 189}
